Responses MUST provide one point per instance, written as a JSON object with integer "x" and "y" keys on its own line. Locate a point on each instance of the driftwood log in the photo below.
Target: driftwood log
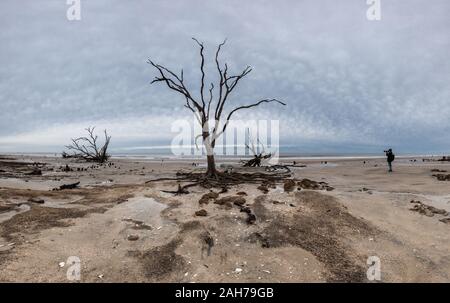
{"x": 68, "y": 186}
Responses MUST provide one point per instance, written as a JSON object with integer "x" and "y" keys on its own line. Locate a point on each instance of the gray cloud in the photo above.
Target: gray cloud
{"x": 350, "y": 84}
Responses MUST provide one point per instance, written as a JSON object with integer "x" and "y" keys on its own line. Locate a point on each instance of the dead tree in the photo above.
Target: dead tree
{"x": 67, "y": 155}
{"x": 257, "y": 156}
{"x": 88, "y": 148}
{"x": 211, "y": 104}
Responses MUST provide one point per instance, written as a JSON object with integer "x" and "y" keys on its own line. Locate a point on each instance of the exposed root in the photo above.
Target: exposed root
{"x": 223, "y": 180}
{"x": 180, "y": 191}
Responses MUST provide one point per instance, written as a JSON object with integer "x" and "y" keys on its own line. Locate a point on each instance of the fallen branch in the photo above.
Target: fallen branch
{"x": 68, "y": 186}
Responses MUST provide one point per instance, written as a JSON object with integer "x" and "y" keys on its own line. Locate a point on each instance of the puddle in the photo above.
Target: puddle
{"x": 22, "y": 206}
{"x": 5, "y": 246}
{"x": 18, "y": 210}
{"x": 49, "y": 202}
{"x": 142, "y": 209}
{"x": 27, "y": 184}
{"x": 277, "y": 190}
{"x": 165, "y": 195}
{"x": 97, "y": 183}
{"x": 63, "y": 203}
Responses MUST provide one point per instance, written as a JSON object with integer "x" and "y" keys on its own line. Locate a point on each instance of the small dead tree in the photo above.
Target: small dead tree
{"x": 211, "y": 104}
{"x": 257, "y": 156}
{"x": 88, "y": 148}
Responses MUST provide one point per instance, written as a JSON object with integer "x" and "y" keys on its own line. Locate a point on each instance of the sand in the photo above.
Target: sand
{"x": 123, "y": 229}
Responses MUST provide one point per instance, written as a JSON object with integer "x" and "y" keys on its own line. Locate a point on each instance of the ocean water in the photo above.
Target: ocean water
{"x": 167, "y": 154}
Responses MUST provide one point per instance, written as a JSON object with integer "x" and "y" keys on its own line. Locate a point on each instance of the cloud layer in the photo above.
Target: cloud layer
{"x": 350, "y": 84}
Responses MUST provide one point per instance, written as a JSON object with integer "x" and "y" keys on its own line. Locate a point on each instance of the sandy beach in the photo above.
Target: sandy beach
{"x": 123, "y": 228}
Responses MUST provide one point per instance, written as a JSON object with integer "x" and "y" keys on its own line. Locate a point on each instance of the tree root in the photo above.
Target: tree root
{"x": 180, "y": 191}
{"x": 223, "y": 180}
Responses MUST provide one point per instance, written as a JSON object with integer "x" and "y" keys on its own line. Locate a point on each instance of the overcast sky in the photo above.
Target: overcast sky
{"x": 350, "y": 84}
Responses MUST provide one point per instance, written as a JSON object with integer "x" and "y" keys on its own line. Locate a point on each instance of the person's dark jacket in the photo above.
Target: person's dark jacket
{"x": 390, "y": 156}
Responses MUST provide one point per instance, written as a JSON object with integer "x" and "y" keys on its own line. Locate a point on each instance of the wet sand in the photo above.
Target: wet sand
{"x": 123, "y": 229}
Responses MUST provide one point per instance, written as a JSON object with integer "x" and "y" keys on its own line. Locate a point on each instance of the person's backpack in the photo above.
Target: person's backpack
{"x": 391, "y": 157}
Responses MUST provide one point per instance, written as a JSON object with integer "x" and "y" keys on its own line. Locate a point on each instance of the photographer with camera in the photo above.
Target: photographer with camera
{"x": 390, "y": 157}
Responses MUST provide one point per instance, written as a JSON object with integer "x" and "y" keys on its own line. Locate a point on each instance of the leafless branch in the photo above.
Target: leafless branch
{"x": 245, "y": 107}
{"x": 88, "y": 148}
{"x": 175, "y": 83}
{"x": 202, "y": 69}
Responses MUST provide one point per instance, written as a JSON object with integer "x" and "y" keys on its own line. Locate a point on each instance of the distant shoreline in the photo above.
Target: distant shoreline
{"x": 226, "y": 157}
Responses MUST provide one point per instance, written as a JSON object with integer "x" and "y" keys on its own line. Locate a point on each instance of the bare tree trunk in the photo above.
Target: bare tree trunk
{"x": 211, "y": 170}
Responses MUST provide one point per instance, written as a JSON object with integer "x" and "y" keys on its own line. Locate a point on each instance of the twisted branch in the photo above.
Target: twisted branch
{"x": 88, "y": 148}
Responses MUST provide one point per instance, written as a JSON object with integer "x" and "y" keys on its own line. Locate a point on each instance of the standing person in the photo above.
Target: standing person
{"x": 390, "y": 158}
